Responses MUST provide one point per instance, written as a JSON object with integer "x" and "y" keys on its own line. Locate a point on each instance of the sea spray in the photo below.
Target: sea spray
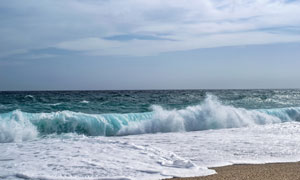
{"x": 211, "y": 114}
{"x": 14, "y": 127}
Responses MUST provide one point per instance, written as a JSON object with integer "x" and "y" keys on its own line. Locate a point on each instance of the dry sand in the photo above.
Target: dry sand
{"x": 273, "y": 171}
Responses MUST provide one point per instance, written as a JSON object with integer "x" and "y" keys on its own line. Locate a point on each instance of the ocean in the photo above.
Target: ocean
{"x": 153, "y": 134}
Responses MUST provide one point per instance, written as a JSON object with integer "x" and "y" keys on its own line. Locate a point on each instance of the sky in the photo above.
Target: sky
{"x": 143, "y": 44}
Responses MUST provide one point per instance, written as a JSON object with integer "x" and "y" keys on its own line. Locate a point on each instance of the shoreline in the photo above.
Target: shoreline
{"x": 269, "y": 171}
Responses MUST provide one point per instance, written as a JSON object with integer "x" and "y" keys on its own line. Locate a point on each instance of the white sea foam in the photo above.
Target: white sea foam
{"x": 211, "y": 114}
{"x": 15, "y": 128}
{"x": 148, "y": 156}
{"x": 29, "y": 96}
{"x": 55, "y": 104}
{"x": 84, "y": 102}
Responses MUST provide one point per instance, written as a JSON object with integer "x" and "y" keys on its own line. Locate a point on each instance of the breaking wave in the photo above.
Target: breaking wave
{"x": 211, "y": 114}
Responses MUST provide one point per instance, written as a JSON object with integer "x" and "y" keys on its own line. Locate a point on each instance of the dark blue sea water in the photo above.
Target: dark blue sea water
{"x": 99, "y": 102}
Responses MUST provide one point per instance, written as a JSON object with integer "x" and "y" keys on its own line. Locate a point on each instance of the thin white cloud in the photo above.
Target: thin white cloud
{"x": 88, "y": 44}
{"x": 153, "y": 47}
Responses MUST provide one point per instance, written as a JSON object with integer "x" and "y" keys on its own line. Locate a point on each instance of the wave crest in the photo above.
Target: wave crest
{"x": 14, "y": 127}
{"x": 211, "y": 114}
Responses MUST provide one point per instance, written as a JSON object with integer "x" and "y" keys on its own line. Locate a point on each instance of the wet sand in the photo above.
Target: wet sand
{"x": 273, "y": 171}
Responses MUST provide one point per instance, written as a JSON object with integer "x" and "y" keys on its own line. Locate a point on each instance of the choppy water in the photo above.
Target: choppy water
{"x": 99, "y": 102}
{"x": 92, "y": 127}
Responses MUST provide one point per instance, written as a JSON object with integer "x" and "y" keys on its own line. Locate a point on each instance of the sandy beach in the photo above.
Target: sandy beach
{"x": 272, "y": 171}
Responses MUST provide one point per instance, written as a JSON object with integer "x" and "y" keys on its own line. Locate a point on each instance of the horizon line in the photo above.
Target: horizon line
{"x": 188, "y": 89}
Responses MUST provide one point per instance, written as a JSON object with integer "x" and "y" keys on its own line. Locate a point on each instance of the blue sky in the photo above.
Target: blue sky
{"x": 131, "y": 44}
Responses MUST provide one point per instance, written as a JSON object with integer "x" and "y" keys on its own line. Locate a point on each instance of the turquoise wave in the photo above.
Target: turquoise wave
{"x": 211, "y": 114}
